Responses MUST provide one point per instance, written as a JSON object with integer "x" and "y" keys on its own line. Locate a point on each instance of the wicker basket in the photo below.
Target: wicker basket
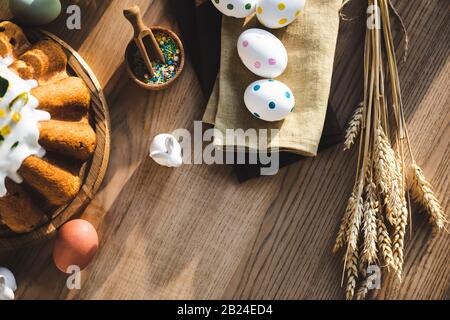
{"x": 93, "y": 171}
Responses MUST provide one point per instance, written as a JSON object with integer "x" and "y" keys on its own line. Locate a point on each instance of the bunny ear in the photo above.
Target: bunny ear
{"x": 170, "y": 144}
{"x": 5, "y": 292}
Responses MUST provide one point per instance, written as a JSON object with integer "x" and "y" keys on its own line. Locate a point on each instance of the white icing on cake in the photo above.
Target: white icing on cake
{"x": 19, "y": 118}
{"x": 8, "y": 60}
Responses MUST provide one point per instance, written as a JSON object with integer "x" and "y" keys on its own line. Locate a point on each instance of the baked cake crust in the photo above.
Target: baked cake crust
{"x": 68, "y": 137}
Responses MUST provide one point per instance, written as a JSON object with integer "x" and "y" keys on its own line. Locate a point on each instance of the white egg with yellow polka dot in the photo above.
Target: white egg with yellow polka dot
{"x": 269, "y": 100}
{"x": 235, "y": 8}
{"x": 276, "y": 14}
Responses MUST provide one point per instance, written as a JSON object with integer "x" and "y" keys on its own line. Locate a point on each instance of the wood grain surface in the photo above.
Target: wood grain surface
{"x": 195, "y": 232}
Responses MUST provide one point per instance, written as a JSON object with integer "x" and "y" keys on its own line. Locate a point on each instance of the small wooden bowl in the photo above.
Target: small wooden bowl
{"x": 151, "y": 86}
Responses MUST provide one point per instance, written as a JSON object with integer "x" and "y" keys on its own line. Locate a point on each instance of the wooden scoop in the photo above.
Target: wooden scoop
{"x": 249, "y": 18}
{"x": 141, "y": 31}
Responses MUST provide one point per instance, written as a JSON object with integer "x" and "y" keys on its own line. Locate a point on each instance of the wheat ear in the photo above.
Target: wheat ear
{"x": 355, "y": 222}
{"x": 384, "y": 243}
{"x": 352, "y": 260}
{"x": 363, "y": 289}
{"x": 422, "y": 193}
{"x": 398, "y": 242}
{"x": 354, "y": 127}
{"x": 341, "y": 238}
{"x": 352, "y": 235}
{"x": 369, "y": 253}
{"x": 388, "y": 176}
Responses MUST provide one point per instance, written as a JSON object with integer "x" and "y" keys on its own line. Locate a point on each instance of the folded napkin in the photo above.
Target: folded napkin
{"x": 200, "y": 25}
{"x": 310, "y": 42}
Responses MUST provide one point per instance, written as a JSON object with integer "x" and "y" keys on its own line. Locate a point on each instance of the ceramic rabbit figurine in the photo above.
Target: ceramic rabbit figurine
{"x": 7, "y": 284}
{"x": 166, "y": 151}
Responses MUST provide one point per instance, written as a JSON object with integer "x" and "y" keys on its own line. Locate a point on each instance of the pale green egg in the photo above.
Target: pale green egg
{"x": 35, "y": 12}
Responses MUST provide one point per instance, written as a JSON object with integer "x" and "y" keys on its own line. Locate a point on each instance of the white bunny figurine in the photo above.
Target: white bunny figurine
{"x": 7, "y": 284}
{"x": 166, "y": 150}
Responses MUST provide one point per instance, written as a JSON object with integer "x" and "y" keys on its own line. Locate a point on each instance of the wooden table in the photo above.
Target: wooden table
{"x": 195, "y": 232}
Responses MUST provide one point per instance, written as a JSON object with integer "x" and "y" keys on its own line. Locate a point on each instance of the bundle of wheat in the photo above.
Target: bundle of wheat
{"x": 374, "y": 225}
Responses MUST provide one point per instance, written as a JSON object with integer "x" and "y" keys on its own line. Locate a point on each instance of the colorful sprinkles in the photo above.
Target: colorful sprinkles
{"x": 163, "y": 73}
{"x": 13, "y": 108}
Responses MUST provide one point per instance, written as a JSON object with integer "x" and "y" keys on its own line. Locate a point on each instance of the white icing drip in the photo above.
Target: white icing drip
{"x": 8, "y": 60}
{"x": 22, "y": 141}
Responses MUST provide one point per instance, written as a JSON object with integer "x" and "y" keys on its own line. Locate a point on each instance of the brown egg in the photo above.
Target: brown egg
{"x": 75, "y": 245}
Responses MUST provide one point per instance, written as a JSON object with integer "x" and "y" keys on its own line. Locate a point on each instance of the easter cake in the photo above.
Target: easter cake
{"x": 45, "y": 133}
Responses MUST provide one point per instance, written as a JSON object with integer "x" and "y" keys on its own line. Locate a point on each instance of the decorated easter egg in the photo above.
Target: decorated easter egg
{"x": 235, "y": 8}
{"x": 269, "y": 99}
{"x": 75, "y": 245}
{"x": 276, "y": 14}
{"x": 262, "y": 53}
{"x": 36, "y": 12}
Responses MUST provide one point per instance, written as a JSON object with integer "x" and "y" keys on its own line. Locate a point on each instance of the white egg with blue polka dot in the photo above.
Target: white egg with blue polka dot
{"x": 235, "y": 8}
{"x": 269, "y": 100}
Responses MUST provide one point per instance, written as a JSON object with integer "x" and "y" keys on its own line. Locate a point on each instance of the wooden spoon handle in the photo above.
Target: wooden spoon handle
{"x": 141, "y": 47}
{"x": 133, "y": 14}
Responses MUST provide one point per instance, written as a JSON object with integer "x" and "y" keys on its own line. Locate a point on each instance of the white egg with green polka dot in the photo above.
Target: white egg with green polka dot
{"x": 235, "y": 8}
{"x": 276, "y": 14}
{"x": 269, "y": 100}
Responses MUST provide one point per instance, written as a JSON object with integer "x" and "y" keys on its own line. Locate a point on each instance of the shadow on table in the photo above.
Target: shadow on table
{"x": 91, "y": 10}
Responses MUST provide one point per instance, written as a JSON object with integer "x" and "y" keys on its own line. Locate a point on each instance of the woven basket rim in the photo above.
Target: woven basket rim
{"x": 95, "y": 168}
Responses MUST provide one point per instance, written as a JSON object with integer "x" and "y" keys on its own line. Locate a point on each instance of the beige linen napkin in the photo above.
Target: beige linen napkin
{"x": 310, "y": 42}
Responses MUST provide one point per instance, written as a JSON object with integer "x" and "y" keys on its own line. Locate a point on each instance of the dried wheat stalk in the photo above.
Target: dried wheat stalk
{"x": 363, "y": 289}
{"x": 355, "y": 210}
{"x": 354, "y": 127}
{"x": 354, "y": 225}
{"x": 380, "y": 193}
{"x": 423, "y": 193}
{"x": 398, "y": 241}
{"x": 384, "y": 244}
{"x": 388, "y": 175}
{"x": 352, "y": 273}
{"x": 341, "y": 238}
{"x": 369, "y": 253}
